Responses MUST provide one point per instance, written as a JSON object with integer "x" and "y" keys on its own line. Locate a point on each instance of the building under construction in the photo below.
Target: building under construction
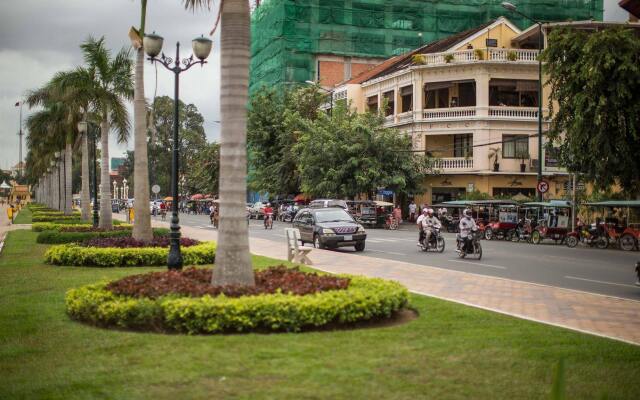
{"x": 332, "y": 40}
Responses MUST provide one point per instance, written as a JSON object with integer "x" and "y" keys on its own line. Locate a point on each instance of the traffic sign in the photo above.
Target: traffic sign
{"x": 155, "y": 189}
{"x": 543, "y": 186}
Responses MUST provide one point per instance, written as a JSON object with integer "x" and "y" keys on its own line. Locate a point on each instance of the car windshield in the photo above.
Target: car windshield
{"x": 335, "y": 215}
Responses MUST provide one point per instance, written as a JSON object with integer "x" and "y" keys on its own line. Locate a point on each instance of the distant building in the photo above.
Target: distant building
{"x": 17, "y": 169}
{"x": 116, "y": 163}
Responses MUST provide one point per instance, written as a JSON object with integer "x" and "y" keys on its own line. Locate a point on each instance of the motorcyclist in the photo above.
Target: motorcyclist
{"x": 429, "y": 224}
{"x": 419, "y": 224}
{"x": 466, "y": 226}
{"x": 268, "y": 214}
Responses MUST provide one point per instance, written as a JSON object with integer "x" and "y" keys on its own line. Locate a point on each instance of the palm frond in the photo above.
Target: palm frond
{"x": 120, "y": 121}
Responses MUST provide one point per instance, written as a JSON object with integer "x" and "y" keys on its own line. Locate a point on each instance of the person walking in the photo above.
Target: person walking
{"x": 412, "y": 211}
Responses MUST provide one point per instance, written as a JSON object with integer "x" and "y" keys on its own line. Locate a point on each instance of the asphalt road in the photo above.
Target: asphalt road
{"x": 608, "y": 272}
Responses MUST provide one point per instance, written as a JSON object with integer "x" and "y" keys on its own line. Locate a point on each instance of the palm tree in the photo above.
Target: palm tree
{"x": 142, "y": 223}
{"x": 109, "y": 83}
{"x": 233, "y": 261}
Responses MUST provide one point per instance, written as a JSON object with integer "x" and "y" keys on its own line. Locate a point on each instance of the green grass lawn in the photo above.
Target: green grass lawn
{"x": 24, "y": 216}
{"x": 450, "y": 352}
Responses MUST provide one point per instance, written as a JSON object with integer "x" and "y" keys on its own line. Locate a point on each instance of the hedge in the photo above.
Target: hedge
{"x": 74, "y": 255}
{"x": 76, "y": 227}
{"x": 364, "y": 299}
{"x": 55, "y": 218}
{"x": 57, "y": 237}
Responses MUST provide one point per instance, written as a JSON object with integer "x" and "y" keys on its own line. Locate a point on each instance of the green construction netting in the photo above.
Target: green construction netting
{"x": 287, "y": 34}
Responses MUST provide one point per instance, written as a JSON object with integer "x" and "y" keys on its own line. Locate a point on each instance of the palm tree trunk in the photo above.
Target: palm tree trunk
{"x": 105, "y": 182}
{"x": 142, "y": 218}
{"x": 86, "y": 198}
{"x": 233, "y": 261}
{"x": 68, "y": 188}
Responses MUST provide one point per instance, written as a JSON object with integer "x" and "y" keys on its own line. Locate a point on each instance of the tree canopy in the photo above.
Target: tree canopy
{"x": 595, "y": 80}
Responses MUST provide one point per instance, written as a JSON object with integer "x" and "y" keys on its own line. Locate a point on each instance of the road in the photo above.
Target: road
{"x": 608, "y": 272}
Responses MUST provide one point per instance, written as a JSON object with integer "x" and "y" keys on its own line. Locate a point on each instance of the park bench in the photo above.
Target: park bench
{"x": 295, "y": 252}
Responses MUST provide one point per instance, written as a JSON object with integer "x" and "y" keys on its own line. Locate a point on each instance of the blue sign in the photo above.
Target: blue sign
{"x": 385, "y": 192}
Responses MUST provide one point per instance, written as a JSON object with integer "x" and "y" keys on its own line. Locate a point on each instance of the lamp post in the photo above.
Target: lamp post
{"x": 510, "y": 7}
{"x": 201, "y": 48}
{"x": 125, "y": 189}
{"x": 329, "y": 92}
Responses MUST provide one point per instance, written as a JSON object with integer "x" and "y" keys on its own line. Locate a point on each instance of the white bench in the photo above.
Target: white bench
{"x": 295, "y": 252}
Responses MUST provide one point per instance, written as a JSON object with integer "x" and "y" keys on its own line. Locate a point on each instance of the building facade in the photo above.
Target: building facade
{"x": 470, "y": 101}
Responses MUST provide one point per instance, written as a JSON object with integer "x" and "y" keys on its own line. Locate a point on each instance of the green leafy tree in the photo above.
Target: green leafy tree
{"x": 275, "y": 121}
{"x": 595, "y": 80}
{"x": 349, "y": 154}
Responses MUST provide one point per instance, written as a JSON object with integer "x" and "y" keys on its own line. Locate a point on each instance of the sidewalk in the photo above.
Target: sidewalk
{"x": 585, "y": 312}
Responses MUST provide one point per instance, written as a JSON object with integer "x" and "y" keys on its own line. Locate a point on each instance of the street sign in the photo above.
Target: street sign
{"x": 543, "y": 186}
{"x": 155, "y": 189}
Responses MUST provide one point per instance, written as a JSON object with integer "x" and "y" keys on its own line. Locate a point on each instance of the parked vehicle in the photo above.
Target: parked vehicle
{"x": 503, "y": 219}
{"x": 329, "y": 228}
{"x": 522, "y": 232}
{"x": 436, "y": 242}
{"x": 257, "y": 210}
{"x": 587, "y": 236}
{"x": 326, "y": 203}
{"x": 471, "y": 247}
{"x": 621, "y": 222}
{"x": 550, "y": 220}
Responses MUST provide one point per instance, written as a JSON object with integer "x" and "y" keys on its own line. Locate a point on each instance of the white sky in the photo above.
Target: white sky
{"x": 41, "y": 37}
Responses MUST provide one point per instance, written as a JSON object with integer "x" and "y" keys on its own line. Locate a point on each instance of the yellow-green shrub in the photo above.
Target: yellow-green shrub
{"x": 73, "y": 227}
{"x": 364, "y": 299}
{"x": 74, "y": 255}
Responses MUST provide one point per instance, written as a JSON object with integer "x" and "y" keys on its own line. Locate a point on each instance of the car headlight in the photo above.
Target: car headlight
{"x": 361, "y": 229}
{"x": 326, "y": 231}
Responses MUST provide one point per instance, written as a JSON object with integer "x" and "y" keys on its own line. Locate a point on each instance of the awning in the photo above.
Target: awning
{"x": 197, "y": 197}
{"x": 302, "y": 197}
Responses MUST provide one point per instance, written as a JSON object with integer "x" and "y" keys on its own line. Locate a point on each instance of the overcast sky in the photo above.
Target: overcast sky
{"x": 41, "y": 37}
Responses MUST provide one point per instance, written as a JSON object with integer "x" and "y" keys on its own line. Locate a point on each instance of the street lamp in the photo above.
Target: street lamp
{"x": 510, "y": 7}
{"x": 329, "y": 92}
{"x": 125, "y": 189}
{"x": 201, "y": 48}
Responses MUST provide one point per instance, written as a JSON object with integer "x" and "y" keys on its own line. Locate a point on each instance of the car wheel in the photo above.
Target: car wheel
{"x": 488, "y": 233}
{"x": 360, "y": 246}
{"x": 536, "y": 238}
{"x": 317, "y": 243}
{"x": 627, "y": 242}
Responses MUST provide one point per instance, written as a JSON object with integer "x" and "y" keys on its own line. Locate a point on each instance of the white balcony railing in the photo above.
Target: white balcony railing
{"x": 454, "y": 163}
{"x": 449, "y": 113}
{"x": 405, "y": 117}
{"x": 490, "y": 54}
{"x": 513, "y": 112}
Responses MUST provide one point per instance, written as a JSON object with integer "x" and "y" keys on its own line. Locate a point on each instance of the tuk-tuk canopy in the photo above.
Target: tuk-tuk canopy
{"x": 469, "y": 203}
{"x": 549, "y": 204}
{"x": 614, "y": 203}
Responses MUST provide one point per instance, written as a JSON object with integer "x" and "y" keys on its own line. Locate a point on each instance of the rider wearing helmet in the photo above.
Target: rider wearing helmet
{"x": 268, "y": 213}
{"x": 430, "y": 223}
{"x": 467, "y": 224}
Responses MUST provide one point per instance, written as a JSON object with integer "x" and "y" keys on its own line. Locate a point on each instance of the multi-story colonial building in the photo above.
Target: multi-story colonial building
{"x": 470, "y": 101}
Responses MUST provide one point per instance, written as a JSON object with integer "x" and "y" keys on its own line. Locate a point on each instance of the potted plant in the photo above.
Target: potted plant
{"x": 523, "y": 155}
{"x": 512, "y": 55}
{"x": 494, "y": 153}
{"x": 419, "y": 59}
{"x": 479, "y": 54}
{"x": 448, "y": 58}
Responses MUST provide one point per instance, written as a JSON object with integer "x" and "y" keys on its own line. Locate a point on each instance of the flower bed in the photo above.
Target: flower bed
{"x": 55, "y": 218}
{"x": 75, "y": 255}
{"x": 60, "y": 237}
{"x": 75, "y": 227}
{"x": 129, "y": 242}
{"x": 364, "y": 299}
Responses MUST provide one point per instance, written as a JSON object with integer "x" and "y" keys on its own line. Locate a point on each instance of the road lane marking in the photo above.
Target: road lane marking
{"x": 475, "y": 263}
{"x": 387, "y": 252}
{"x": 603, "y": 282}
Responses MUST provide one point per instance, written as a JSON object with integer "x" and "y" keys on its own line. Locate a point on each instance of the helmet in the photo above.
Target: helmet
{"x": 467, "y": 212}
{"x": 425, "y": 210}
{"x": 268, "y": 204}
{"x": 430, "y": 211}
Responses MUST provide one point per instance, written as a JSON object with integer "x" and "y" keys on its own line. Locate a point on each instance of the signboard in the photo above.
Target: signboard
{"x": 563, "y": 221}
{"x": 155, "y": 189}
{"x": 492, "y": 42}
{"x": 385, "y": 192}
{"x": 508, "y": 217}
{"x": 543, "y": 186}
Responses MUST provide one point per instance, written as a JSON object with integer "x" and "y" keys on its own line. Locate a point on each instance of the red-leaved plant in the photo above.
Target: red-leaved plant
{"x": 127, "y": 242}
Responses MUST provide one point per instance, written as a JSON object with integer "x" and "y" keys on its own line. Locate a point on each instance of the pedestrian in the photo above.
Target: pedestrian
{"x": 412, "y": 211}
{"x": 397, "y": 213}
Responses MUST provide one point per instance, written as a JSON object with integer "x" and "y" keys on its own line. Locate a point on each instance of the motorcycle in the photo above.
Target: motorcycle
{"x": 638, "y": 273}
{"x": 470, "y": 246}
{"x": 436, "y": 241}
{"x": 521, "y": 233}
{"x": 268, "y": 221}
{"x": 391, "y": 222}
{"x": 589, "y": 237}
{"x": 287, "y": 216}
{"x": 450, "y": 224}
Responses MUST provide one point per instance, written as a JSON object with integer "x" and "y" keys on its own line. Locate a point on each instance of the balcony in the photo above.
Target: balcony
{"x": 477, "y": 55}
{"x": 454, "y": 164}
{"x": 449, "y": 113}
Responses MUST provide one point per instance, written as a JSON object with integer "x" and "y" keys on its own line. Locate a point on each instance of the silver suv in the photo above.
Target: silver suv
{"x": 327, "y": 203}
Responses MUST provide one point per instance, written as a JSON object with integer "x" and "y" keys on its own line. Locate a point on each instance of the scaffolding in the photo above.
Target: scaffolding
{"x": 288, "y": 34}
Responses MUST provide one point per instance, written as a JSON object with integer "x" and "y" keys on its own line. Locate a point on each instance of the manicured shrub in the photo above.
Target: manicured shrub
{"x": 364, "y": 299}
{"x": 68, "y": 227}
{"x": 129, "y": 242}
{"x": 194, "y": 282}
{"x": 60, "y": 237}
{"x": 56, "y": 218}
{"x": 75, "y": 255}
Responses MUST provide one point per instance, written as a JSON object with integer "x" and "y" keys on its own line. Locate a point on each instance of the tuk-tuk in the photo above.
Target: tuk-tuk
{"x": 552, "y": 220}
{"x": 621, "y": 222}
{"x": 370, "y": 213}
{"x": 502, "y": 218}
